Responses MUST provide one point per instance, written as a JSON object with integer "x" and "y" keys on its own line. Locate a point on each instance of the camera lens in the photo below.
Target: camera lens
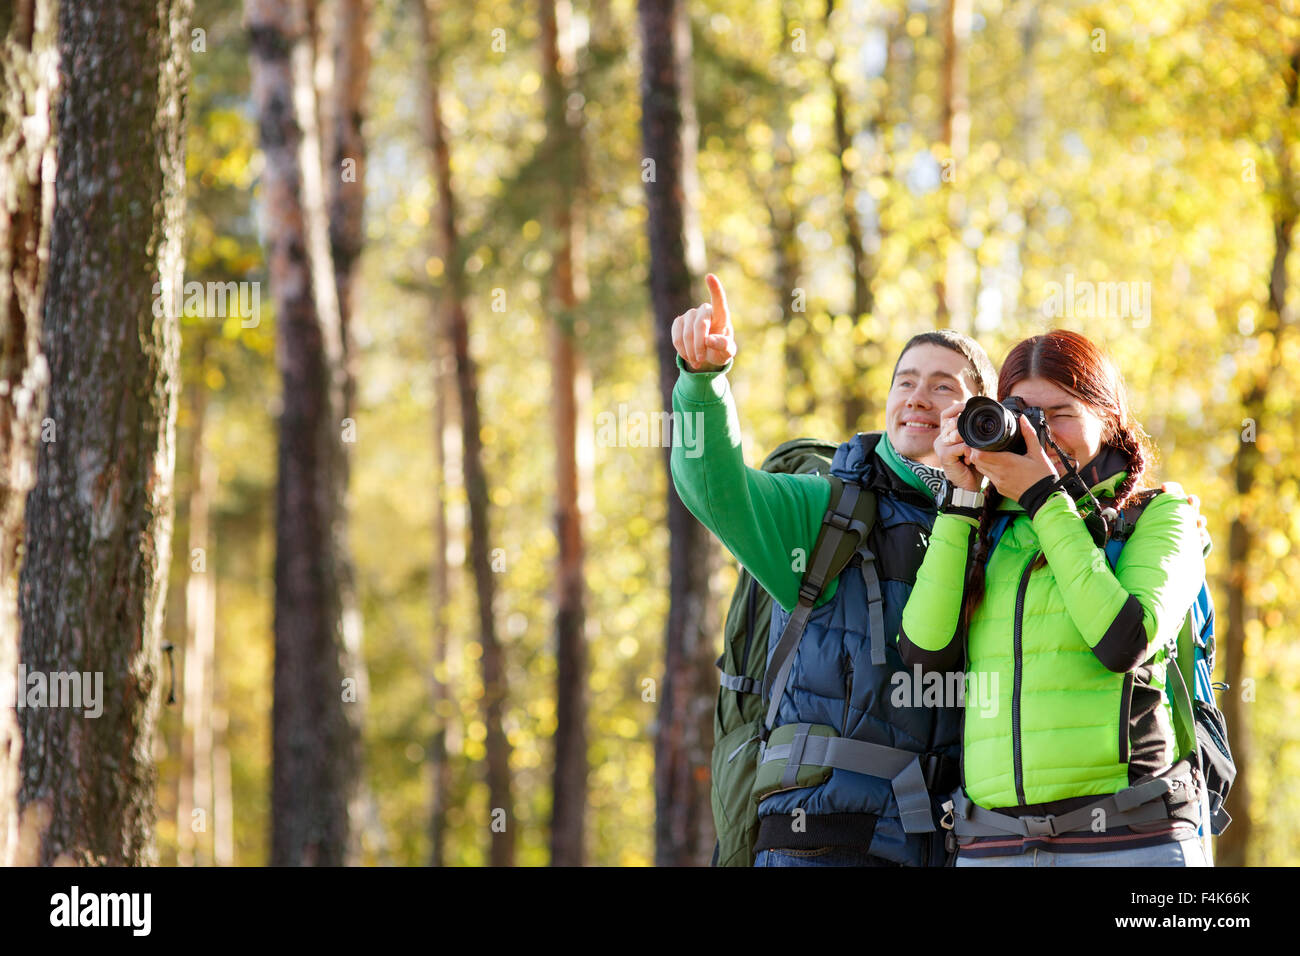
{"x": 986, "y": 424}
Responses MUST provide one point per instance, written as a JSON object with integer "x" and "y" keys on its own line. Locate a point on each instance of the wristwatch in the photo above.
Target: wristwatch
{"x": 953, "y": 499}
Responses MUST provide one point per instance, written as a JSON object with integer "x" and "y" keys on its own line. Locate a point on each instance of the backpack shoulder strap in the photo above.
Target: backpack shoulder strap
{"x": 999, "y": 528}
{"x": 848, "y": 518}
{"x": 1128, "y": 517}
{"x": 1180, "y": 675}
{"x": 870, "y": 574}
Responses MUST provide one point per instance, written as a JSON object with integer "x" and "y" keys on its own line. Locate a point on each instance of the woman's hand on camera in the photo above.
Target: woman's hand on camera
{"x": 952, "y": 451}
{"x": 1013, "y": 475}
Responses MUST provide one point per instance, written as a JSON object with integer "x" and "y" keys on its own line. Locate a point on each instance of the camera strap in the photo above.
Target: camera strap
{"x": 1073, "y": 485}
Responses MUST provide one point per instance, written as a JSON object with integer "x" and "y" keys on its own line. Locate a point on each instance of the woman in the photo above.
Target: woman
{"x": 1073, "y": 652}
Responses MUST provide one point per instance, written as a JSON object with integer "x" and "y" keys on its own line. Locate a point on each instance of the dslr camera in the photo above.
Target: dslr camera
{"x": 989, "y": 425}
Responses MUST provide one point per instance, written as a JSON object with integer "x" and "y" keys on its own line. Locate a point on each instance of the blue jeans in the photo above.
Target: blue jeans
{"x": 820, "y": 856}
{"x": 1181, "y": 853}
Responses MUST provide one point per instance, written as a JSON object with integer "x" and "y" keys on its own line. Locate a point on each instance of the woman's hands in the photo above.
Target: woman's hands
{"x": 1013, "y": 475}
{"x": 703, "y": 336}
{"x": 952, "y": 451}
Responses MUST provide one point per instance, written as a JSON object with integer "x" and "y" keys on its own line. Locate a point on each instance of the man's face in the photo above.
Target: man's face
{"x": 928, "y": 380}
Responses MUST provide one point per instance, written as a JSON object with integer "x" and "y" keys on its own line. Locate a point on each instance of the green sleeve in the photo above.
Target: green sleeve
{"x": 933, "y": 610}
{"x": 1128, "y": 614}
{"x": 768, "y": 521}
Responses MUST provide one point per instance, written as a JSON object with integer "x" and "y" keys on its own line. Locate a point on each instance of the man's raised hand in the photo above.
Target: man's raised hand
{"x": 703, "y": 336}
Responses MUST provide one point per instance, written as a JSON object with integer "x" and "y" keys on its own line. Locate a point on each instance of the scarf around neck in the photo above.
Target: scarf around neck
{"x": 921, "y": 477}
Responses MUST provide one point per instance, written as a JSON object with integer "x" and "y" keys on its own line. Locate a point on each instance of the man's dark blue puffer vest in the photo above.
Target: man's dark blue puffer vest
{"x": 833, "y": 682}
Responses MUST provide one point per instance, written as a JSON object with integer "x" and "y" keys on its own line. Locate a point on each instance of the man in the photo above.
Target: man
{"x": 770, "y": 522}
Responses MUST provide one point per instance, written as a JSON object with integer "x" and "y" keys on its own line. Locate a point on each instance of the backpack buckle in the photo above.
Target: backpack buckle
{"x": 1040, "y": 826}
{"x": 837, "y": 520}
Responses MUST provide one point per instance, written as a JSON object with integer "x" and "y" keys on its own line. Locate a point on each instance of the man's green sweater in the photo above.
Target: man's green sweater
{"x": 768, "y": 521}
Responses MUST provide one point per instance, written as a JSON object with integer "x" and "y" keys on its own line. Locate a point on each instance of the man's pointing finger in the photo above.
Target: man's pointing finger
{"x": 719, "y": 300}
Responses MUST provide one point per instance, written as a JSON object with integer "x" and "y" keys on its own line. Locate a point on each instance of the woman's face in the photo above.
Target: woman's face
{"x": 1075, "y": 425}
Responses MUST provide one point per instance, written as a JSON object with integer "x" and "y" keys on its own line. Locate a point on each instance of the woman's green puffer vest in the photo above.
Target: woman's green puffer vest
{"x": 1060, "y": 651}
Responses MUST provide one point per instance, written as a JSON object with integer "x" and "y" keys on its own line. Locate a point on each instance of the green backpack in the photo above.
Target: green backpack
{"x": 738, "y": 720}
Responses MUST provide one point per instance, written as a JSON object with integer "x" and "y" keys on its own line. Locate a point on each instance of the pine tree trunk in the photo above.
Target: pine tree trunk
{"x": 501, "y": 823}
{"x": 683, "y": 815}
{"x": 440, "y": 586}
{"x": 315, "y": 736}
{"x": 30, "y": 77}
{"x": 99, "y": 520}
{"x": 571, "y": 384}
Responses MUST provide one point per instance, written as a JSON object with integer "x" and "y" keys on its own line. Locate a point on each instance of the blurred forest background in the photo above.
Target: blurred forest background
{"x": 522, "y": 624}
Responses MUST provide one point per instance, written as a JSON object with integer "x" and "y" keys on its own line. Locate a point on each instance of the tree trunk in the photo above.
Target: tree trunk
{"x": 440, "y": 586}
{"x": 570, "y": 388}
{"x": 683, "y": 815}
{"x": 955, "y": 135}
{"x": 315, "y": 738}
{"x": 30, "y": 77}
{"x": 345, "y": 184}
{"x": 346, "y": 170}
{"x": 785, "y": 214}
{"x": 1248, "y": 470}
{"x": 99, "y": 520}
{"x": 495, "y": 691}
{"x": 859, "y": 404}
{"x": 1029, "y": 123}
{"x": 863, "y": 266}
{"x": 223, "y": 816}
{"x": 195, "y": 791}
